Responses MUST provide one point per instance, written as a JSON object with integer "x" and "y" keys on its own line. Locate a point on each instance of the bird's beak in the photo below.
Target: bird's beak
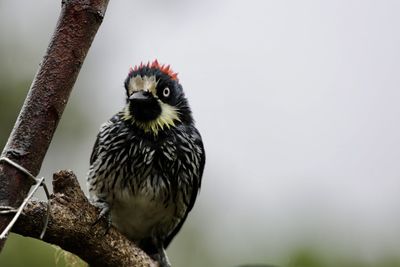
{"x": 141, "y": 97}
{"x": 144, "y": 106}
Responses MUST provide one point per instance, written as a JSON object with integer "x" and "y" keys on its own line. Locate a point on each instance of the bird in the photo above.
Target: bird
{"x": 147, "y": 162}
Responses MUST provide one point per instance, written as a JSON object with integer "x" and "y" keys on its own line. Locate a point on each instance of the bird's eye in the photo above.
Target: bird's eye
{"x": 166, "y": 92}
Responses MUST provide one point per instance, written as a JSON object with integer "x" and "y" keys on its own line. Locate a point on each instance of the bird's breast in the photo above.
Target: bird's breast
{"x": 142, "y": 215}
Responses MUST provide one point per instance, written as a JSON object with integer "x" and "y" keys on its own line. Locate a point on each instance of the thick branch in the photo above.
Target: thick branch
{"x": 47, "y": 97}
{"x": 70, "y": 227}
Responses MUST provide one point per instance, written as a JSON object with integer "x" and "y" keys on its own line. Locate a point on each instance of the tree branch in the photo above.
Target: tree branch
{"x": 71, "y": 227}
{"x": 47, "y": 98}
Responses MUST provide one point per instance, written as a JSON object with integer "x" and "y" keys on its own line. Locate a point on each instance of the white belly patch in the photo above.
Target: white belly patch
{"x": 140, "y": 216}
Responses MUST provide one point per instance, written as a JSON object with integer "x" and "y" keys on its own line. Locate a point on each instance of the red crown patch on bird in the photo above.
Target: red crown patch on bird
{"x": 166, "y": 69}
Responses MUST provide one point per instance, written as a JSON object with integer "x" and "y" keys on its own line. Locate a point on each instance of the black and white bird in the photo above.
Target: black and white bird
{"x": 148, "y": 160}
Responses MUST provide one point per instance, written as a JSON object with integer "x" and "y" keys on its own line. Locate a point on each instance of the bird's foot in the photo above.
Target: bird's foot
{"x": 162, "y": 259}
{"x": 104, "y": 213}
{"x": 161, "y": 255}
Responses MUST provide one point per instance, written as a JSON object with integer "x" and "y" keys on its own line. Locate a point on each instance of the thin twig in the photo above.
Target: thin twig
{"x": 39, "y": 182}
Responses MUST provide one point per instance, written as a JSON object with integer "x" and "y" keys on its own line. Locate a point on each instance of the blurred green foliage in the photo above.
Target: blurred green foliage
{"x": 12, "y": 96}
{"x": 35, "y": 253}
{"x": 309, "y": 257}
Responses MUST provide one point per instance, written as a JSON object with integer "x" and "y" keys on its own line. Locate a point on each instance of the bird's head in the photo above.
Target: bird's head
{"x": 155, "y": 99}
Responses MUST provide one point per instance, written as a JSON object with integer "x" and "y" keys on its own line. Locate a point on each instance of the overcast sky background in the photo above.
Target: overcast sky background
{"x": 297, "y": 103}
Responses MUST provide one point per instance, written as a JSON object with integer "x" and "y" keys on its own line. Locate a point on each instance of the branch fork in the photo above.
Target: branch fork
{"x": 71, "y": 227}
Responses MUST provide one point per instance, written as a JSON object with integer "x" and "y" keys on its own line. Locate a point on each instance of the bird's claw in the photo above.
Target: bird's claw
{"x": 161, "y": 256}
{"x": 104, "y": 213}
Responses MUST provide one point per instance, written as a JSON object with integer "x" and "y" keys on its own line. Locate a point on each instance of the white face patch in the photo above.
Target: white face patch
{"x": 169, "y": 114}
{"x": 146, "y": 83}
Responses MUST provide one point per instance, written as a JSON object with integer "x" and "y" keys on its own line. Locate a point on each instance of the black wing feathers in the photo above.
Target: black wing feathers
{"x": 193, "y": 197}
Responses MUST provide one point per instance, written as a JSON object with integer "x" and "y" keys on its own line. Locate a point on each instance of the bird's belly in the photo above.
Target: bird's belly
{"x": 141, "y": 216}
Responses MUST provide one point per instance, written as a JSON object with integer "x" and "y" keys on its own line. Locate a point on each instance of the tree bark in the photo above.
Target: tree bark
{"x": 27, "y": 145}
{"x": 71, "y": 227}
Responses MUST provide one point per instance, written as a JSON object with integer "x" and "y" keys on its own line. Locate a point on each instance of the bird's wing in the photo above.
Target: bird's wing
{"x": 196, "y": 188}
{"x": 95, "y": 150}
{"x": 96, "y": 146}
